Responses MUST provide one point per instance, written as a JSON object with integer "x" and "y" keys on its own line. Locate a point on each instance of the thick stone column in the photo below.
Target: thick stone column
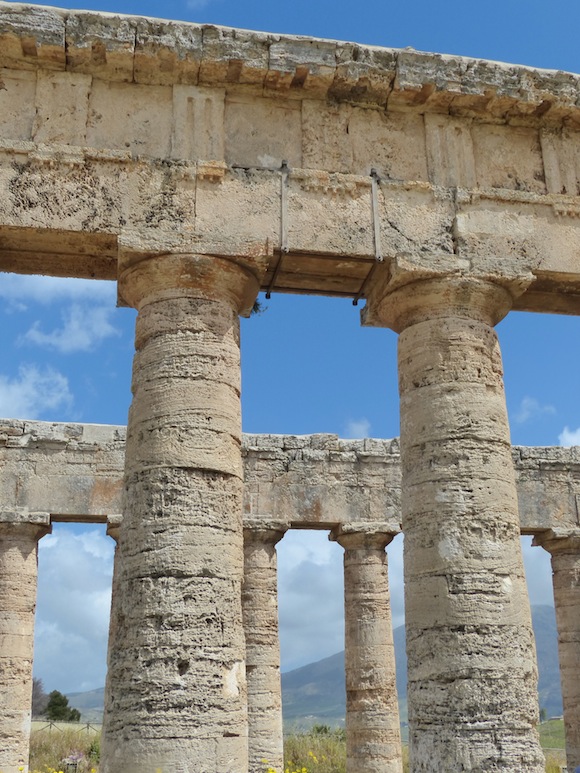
{"x": 472, "y": 675}
{"x": 564, "y": 548}
{"x": 176, "y": 688}
{"x": 373, "y": 738}
{"x": 260, "y": 611}
{"x": 19, "y": 535}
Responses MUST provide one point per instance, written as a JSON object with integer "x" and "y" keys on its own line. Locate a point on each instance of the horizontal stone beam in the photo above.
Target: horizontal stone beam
{"x": 147, "y": 51}
{"x": 74, "y": 472}
{"x": 122, "y": 134}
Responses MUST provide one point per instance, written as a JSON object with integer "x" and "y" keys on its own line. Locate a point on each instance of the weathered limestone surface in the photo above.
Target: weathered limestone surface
{"x": 472, "y": 676}
{"x": 564, "y": 548}
{"x": 373, "y": 737}
{"x": 19, "y": 535}
{"x": 114, "y": 124}
{"x": 260, "y": 615}
{"x": 176, "y": 689}
{"x": 74, "y": 471}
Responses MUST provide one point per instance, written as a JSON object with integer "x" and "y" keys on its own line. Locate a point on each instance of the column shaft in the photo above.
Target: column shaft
{"x": 373, "y": 739}
{"x": 565, "y": 553}
{"x": 260, "y": 611}
{"x": 18, "y": 583}
{"x": 472, "y": 676}
{"x": 176, "y": 691}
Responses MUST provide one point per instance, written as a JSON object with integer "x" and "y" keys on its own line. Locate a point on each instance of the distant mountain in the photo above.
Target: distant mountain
{"x": 90, "y": 704}
{"x": 316, "y": 694}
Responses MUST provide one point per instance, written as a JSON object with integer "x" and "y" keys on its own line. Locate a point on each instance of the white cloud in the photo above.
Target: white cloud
{"x": 74, "y": 598}
{"x": 311, "y": 605}
{"x": 569, "y": 437}
{"x": 311, "y": 595}
{"x": 33, "y": 392}
{"x": 530, "y": 408}
{"x": 83, "y": 329}
{"x": 20, "y": 290}
{"x": 358, "y": 428}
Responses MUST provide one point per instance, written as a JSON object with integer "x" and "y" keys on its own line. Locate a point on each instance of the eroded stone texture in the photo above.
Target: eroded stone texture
{"x": 176, "y": 692}
{"x": 471, "y": 659}
{"x": 373, "y": 738}
{"x": 564, "y": 548}
{"x": 19, "y": 535}
{"x": 260, "y": 614}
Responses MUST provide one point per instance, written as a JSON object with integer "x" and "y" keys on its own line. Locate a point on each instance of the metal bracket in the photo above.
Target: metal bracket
{"x": 284, "y": 249}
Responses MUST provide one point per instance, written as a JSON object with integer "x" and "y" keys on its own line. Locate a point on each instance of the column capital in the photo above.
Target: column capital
{"x": 114, "y": 526}
{"x": 405, "y": 293}
{"x": 143, "y": 279}
{"x": 262, "y": 530}
{"x": 559, "y": 541}
{"x": 364, "y": 536}
{"x": 21, "y": 521}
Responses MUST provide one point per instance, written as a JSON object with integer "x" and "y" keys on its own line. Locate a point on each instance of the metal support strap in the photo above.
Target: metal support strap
{"x": 285, "y": 172}
{"x": 375, "y": 182}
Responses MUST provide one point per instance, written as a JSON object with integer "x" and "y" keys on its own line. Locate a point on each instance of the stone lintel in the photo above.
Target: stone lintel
{"x": 365, "y": 535}
{"x": 24, "y": 517}
{"x": 559, "y": 540}
{"x": 118, "y": 47}
{"x": 307, "y": 481}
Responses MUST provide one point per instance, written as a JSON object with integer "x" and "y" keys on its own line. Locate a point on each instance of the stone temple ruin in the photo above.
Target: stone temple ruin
{"x": 197, "y": 165}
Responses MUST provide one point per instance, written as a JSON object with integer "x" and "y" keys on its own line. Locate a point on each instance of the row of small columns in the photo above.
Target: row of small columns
{"x": 372, "y": 720}
{"x": 373, "y": 738}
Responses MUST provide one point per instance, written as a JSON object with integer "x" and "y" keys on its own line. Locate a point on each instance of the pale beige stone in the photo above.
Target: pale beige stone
{"x": 198, "y": 120}
{"x": 260, "y": 615}
{"x": 469, "y": 637}
{"x": 373, "y": 738}
{"x": 516, "y": 164}
{"x": 450, "y": 154}
{"x": 17, "y": 104}
{"x": 564, "y": 548}
{"x": 19, "y": 535}
{"x": 61, "y": 108}
{"x": 130, "y": 116}
{"x": 176, "y": 688}
{"x": 262, "y": 132}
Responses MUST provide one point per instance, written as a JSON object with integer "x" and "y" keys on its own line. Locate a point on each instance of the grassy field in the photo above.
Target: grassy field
{"x": 319, "y": 750}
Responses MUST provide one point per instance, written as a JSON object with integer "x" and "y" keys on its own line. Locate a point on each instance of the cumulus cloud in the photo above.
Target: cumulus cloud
{"x": 21, "y": 291}
{"x": 72, "y": 617}
{"x": 32, "y": 392}
{"x": 569, "y": 437}
{"x": 530, "y": 408}
{"x": 82, "y": 330}
{"x": 358, "y": 428}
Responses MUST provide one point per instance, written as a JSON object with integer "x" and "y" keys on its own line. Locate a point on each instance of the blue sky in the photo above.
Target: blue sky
{"x": 308, "y": 365}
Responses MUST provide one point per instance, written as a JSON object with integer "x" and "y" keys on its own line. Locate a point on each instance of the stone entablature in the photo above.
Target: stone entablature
{"x": 139, "y": 137}
{"x": 75, "y": 471}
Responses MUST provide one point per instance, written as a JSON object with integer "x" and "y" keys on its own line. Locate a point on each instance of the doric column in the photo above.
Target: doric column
{"x": 472, "y": 675}
{"x": 19, "y": 535}
{"x": 176, "y": 688}
{"x": 373, "y": 737}
{"x": 564, "y": 548}
{"x": 260, "y": 610}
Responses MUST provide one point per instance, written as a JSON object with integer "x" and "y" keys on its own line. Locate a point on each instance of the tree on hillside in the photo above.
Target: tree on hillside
{"x": 58, "y": 710}
{"x": 39, "y": 698}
